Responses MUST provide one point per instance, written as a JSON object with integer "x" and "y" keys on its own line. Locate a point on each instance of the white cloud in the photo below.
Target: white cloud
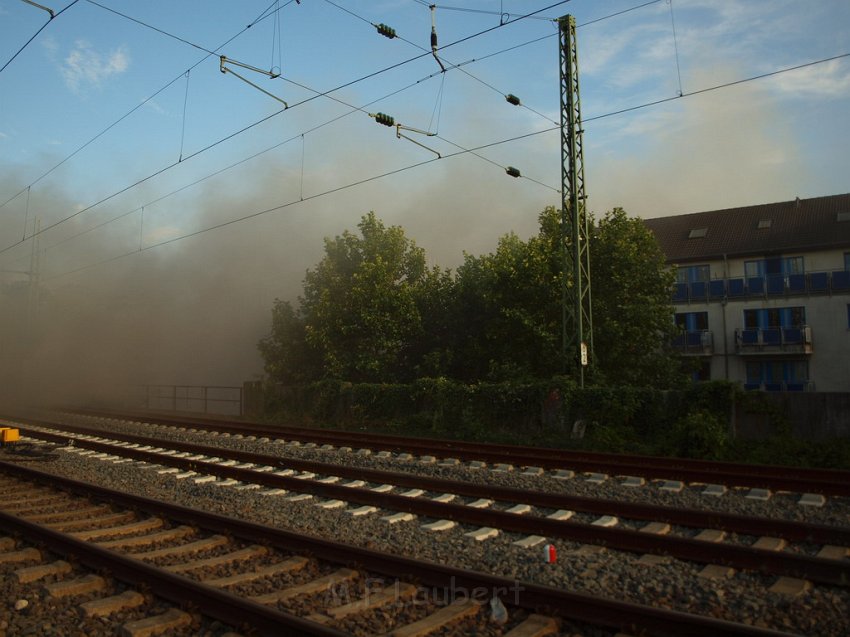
{"x": 50, "y": 45}
{"x": 155, "y": 107}
{"x": 85, "y": 67}
{"x": 830, "y": 79}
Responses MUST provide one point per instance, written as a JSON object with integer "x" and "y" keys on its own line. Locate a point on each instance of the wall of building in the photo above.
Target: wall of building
{"x": 822, "y": 261}
{"x": 828, "y": 316}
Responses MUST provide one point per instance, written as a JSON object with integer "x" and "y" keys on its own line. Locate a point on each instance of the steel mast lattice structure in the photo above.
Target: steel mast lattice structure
{"x": 577, "y": 318}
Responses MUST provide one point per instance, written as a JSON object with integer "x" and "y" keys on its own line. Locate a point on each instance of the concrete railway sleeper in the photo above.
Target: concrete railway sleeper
{"x": 749, "y": 525}
{"x": 701, "y": 548}
{"x": 268, "y": 580}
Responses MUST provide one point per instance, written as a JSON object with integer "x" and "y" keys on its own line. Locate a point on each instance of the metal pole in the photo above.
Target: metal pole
{"x": 577, "y": 318}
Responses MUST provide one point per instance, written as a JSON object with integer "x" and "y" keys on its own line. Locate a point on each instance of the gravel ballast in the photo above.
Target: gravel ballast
{"x": 674, "y": 584}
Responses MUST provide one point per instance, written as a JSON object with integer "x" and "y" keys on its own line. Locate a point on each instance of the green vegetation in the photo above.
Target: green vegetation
{"x": 371, "y": 311}
{"x": 380, "y": 341}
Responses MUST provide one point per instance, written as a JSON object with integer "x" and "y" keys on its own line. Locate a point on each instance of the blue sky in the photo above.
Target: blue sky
{"x": 98, "y": 102}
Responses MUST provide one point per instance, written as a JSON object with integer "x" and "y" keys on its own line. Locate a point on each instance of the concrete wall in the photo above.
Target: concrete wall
{"x": 812, "y": 415}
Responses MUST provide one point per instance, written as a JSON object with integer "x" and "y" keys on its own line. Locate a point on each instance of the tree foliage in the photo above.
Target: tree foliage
{"x": 288, "y": 357}
{"x": 360, "y": 303}
{"x": 372, "y": 311}
{"x": 632, "y": 310}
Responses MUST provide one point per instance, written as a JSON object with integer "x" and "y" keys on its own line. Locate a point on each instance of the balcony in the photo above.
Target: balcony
{"x": 770, "y": 286}
{"x": 774, "y": 340}
{"x": 694, "y": 343}
{"x": 782, "y": 385}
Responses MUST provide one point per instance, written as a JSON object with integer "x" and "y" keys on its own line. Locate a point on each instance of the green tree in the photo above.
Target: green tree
{"x": 289, "y": 358}
{"x": 503, "y": 313}
{"x": 508, "y": 306}
{"x": 632, "y": 309}
{"x": 372, "y": 311}
{"x": 360, "y": 303}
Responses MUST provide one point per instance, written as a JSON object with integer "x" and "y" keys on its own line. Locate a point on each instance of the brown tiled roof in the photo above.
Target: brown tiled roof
{"x": 800, "y": 225}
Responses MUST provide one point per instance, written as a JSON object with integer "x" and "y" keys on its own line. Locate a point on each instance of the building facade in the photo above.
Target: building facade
{"x": 763, "y": 292}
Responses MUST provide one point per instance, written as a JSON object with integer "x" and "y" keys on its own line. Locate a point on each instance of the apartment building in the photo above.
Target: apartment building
{"x": 763, "y": 292}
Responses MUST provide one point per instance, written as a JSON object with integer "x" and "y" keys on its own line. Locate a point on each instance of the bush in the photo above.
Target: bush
{"x": 700, "y": 434}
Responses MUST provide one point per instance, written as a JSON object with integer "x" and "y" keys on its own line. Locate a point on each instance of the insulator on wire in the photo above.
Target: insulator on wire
{"x": 512, "y": 99}
{"x": 513, "y": 172}
{"x": 384, "y": 30}
{"x": 386, "y": 120}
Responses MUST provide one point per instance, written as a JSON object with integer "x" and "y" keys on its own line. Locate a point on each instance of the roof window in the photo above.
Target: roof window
{"x": 843, "y": 216}
{"x": 697, "y": 233}
{"x": 764, "y": 224}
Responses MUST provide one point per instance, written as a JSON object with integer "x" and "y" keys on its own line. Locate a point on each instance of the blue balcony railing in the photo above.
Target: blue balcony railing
{"x": 781, "y": 385}
{"x": 768, "y": 340}
{"x": 698, "y": 342}
{"x": 772, "y": 285}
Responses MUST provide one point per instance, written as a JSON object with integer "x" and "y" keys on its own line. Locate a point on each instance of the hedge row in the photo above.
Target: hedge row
{"x": 437, "y": 406}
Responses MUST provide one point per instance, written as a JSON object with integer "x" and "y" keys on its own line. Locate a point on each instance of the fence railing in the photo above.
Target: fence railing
{"x": 774, "y": 339}
{"x": 836, "y": 281}
{"x": 780, "y": 385}
{"x": 205, "y": 399}
{"x": 699, "y": 342}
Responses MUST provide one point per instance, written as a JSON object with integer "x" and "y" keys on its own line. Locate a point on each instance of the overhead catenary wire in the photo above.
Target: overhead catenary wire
{"x": 502, "y": 14}
{"x": 684, "y": 95}
{"x": 52, "y": 17}
{"x": 276, "y": 40}
{"x": 265, "y": 14}
{"x": 592, "y": 118}
{"x": 242, "y": 130}
{"x": 551, "y": 36}
{"x": 451, "y": 155}
{"x": 244, "y": 160}
{"x": 433, "y": 51}
{"x": 183, "y": 125}
{"x": 135, "y": 108}
{"x": 279, "y": 207}
{"x": 675, "y": 46}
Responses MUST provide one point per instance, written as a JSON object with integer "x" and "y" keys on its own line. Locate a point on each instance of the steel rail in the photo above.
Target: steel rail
{"x": 575, "y": 606}
{"x": 695, "y": 518}
{"x": 798, "y": 479}
{"x": 820, "y": 570}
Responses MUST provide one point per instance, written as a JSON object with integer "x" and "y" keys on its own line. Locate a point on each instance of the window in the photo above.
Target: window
{"x": 754, "y": 373}
{"x": 847, "y": 260}
{"x": 848, "y": 316}
{"x": 764, "y": 224}
{"x": 775, "y": 265}
{"x": 776, "y": 372}
{"x": 698, "y": 233}
{"x": 775, "y": 317}
{"x": 692, "y": 273}
{"x": 692, "y": 321}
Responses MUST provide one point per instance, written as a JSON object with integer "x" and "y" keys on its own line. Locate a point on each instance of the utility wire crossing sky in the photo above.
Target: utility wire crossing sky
{"x": 188, "y": 128}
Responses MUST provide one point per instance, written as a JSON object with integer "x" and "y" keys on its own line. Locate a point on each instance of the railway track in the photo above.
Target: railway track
{"x": 785, "y": 557}
{"x": 697, "y": 542}
{"x": 803, "y": 480}
{"x": 273, "y": 582}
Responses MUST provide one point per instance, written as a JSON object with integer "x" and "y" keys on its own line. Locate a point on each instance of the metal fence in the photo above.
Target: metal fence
{"x": 205, "y": 399}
